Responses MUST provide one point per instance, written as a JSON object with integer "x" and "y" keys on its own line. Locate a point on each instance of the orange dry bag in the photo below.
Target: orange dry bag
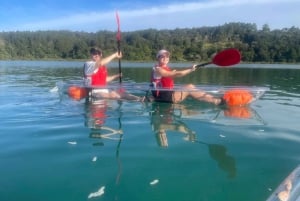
{"x": 237, "y": 97}
{"x": 77, "y": 93}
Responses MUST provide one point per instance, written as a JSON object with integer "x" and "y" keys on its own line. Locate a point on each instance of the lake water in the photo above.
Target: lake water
{"x": 55, "y": 148}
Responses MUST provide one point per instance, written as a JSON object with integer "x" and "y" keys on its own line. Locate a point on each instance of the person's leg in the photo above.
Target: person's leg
{"x": 104, "y": 93}
{"x": 179, "y": 96}
{"x": 114, "y": 95}
{"x": 202, "y": 95}
{"x": 132, "y": 97}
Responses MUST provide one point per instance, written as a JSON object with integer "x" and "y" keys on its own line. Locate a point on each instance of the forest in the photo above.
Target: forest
{"x": 189, "y": 44}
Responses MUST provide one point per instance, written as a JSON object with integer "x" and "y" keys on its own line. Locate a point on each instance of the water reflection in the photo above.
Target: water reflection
{"x": 244, "y": 115}
{"x": 168, "y": 118}
{"x": 219, "y": 154}
{"x": 96, "y": 117}
{"x": 239, "y": 115}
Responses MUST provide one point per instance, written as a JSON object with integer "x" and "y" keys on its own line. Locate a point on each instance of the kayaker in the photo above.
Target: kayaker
{"x": 163, "y": 76}
{"x": 96, "y": 75}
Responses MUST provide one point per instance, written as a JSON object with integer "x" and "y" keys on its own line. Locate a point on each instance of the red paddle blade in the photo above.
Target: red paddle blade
{"x": 227, "y": 57}
{"x": 119, "y": 30}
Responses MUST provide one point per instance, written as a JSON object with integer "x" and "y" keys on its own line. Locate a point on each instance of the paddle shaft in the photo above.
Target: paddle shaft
{"x": 118, "y": 36}
{"x": 119, "y": 51}
{"x": 203, "y": 65}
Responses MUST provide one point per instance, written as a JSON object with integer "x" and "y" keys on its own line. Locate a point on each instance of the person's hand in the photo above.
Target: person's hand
{"x": 119, "y": 55}
{"x": 118, "y": 75}
{"x": 115, "y": 76}
{"x": 193, "y": 67}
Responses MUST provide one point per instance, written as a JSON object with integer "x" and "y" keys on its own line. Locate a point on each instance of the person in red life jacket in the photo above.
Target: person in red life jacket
{"x": 163, "y": 76}
{"x": 95, "y": 72}
{"x": 96, "y": 75}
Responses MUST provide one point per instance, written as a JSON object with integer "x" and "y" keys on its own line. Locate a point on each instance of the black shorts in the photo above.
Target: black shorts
{"x": 163, "y": 96}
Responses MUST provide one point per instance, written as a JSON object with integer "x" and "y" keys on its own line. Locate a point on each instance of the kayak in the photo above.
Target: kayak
{"x": 189, "y": 109}
{"x": 289, "y": 189}
{"x": 232, "y": 94}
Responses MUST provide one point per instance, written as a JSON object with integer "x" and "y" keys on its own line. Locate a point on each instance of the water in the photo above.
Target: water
{"x": 54, "y": 148}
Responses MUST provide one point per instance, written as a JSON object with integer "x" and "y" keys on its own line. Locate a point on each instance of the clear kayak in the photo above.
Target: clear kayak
{"x": 78, "y": 90}
{"x": 289, "y": 189}
{"x": 187, "y": 110}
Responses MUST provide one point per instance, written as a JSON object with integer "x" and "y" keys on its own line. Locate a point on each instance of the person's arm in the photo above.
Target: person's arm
{"x": 106, "y": 60}
{"x": 175, "y": 73}
{"x": 112, "y": 77}
{"x": 185, "y": 72}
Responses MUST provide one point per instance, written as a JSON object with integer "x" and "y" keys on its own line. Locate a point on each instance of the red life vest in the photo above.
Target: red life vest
{"x": 164, "y": 82}
{"x": 99, "y": 78}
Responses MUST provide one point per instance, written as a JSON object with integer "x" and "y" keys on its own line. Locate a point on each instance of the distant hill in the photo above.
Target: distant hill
{"x": 194, "y": 44}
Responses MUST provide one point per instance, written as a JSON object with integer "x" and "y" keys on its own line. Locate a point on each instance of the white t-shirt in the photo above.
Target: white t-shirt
{"x": 89, "y": 69}
{"x": 154, "y": 73}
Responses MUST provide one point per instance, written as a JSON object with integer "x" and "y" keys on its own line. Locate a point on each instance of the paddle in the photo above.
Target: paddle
{"x": 118, "y": 36}
{"x": 227, "y": 57}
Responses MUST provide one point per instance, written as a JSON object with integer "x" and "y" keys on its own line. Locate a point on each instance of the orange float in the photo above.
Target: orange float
{"x": 77, "y": 93}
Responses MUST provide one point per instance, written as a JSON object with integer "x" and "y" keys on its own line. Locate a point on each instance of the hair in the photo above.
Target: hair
{"x": 161, "y": 53}
{"x": 95, "y": 50}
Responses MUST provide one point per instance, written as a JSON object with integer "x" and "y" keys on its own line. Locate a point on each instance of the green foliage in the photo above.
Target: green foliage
{"x": 195, "y": 44}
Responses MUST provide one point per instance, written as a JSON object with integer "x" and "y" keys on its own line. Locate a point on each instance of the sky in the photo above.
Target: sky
{"x": 99, "y": 15}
